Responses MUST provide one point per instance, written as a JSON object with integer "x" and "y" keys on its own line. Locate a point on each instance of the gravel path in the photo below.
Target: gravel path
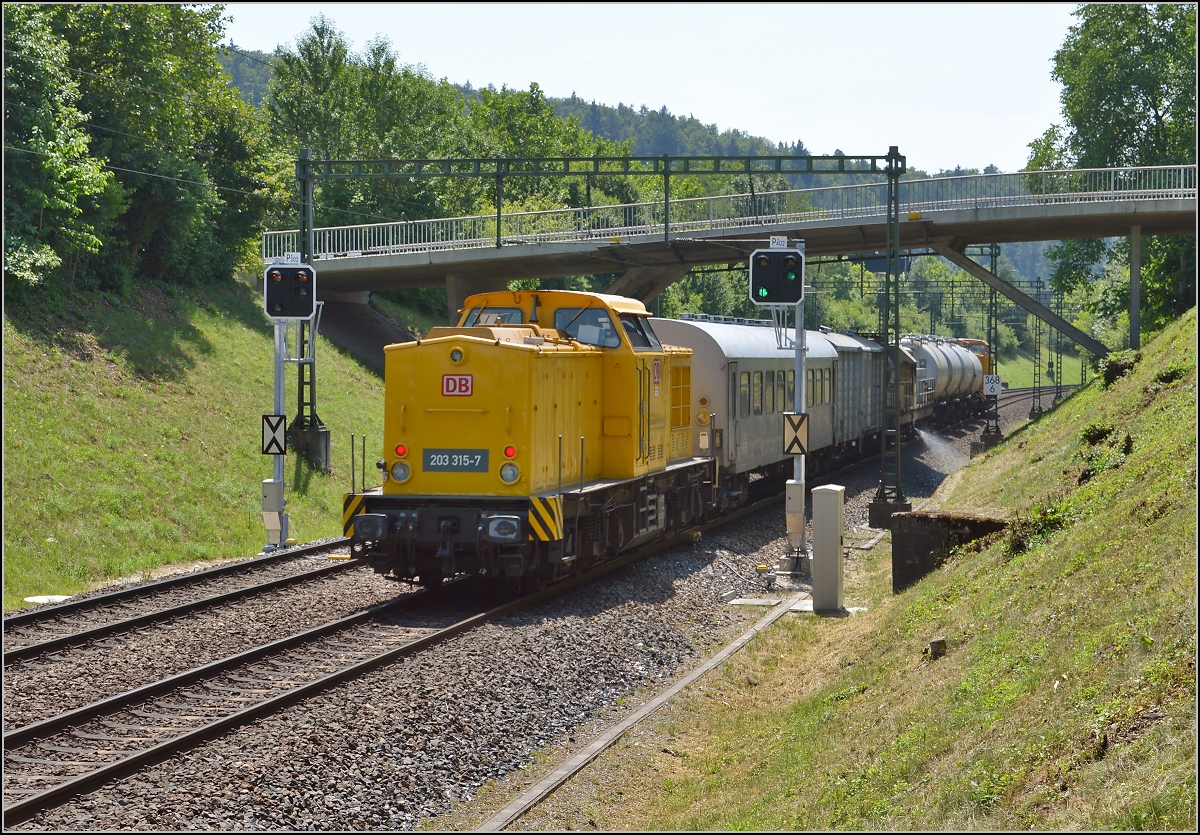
{"x": 415, "y": 742}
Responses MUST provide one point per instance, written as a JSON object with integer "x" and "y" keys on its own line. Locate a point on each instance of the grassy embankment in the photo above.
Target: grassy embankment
{"x": 1066, "y": 700}
{"x": 132, "y": 436}
{"x": 1017, "y": 371}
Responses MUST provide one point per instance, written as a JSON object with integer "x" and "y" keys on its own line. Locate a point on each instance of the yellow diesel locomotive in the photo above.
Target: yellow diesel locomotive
{"x": 546, "y": 431}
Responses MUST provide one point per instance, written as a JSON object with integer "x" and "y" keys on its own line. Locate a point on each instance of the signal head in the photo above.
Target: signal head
{"x": 290, "y": 291}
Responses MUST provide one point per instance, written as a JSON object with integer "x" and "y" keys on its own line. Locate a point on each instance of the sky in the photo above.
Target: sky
{"x": 950, "y": 84}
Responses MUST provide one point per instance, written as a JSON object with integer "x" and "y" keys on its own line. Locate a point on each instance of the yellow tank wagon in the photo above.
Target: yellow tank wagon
{"x": 546, "y": 431}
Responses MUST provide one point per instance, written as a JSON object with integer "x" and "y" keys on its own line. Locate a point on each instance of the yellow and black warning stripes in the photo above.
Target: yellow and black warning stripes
{"x": 545, "y": 518}
{"x": 351, "y": 504}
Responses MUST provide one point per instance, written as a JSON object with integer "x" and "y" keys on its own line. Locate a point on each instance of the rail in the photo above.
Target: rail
{"x": 732, "y": 211}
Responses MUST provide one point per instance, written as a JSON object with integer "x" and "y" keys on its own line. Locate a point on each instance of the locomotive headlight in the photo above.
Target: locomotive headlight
{"x": 509, "y": 473}
{"x": 703, "y": 417}
{"x": 456, "y": 356}
{"x": 401, "y": 471}
{"x": 370, "y": 527}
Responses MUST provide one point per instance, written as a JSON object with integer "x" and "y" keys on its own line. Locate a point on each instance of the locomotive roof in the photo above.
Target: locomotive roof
{"x": 620, "y": 304}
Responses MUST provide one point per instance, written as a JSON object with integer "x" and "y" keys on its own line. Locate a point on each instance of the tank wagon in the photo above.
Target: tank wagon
{"x": 552, "y": 430}
{"x": 948, "y": 379}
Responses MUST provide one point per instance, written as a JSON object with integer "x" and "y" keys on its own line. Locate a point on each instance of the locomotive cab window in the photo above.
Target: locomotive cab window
{"x": 641, "y": 335}
{"x": 493, "y": 316}
{"x": 589, "y": 326}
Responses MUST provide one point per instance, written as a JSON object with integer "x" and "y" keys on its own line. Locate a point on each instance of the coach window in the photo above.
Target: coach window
{"x": 744, "y": 394}
{"x": 781, "y": 401}
{"x": 827, "y": 385}
{"x": 757, "y": 394}
{"x": 769, "y": 392}
{"x": 791, "y": 388}
{"x": 810, "y": 387}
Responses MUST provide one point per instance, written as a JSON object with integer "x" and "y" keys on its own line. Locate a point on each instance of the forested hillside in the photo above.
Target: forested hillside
{"x": 142, "y": 148}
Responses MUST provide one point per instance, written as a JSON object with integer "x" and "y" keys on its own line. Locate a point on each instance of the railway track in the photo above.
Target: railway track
{"x": 53, "y": 629}
{"x": 50, "y": 761}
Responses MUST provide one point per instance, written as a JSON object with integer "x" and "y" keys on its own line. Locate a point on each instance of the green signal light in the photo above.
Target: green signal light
{"x": 790, "y": 275}
{"x": 763, "y": 292}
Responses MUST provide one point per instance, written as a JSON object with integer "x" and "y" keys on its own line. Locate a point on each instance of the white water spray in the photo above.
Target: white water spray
{"x": 950, "y": 457}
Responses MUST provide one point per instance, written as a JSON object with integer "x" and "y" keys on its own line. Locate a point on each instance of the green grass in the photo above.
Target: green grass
{"x": 415, "y": 320}
{"x": 132, "y": 435}
{"x": 1066, "y": 700}
{"x": 1017, "y": 371}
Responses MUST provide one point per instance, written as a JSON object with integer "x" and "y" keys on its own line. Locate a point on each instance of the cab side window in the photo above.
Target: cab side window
{"x": 590, "y": 326}
{"x": 494, "y": 316}
{"x": 641, "y": 335}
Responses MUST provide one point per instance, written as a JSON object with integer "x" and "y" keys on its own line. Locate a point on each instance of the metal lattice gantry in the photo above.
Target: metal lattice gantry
{"x": 309, "y": 172}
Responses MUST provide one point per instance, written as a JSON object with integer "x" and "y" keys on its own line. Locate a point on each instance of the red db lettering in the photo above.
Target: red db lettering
{"x": 457, "y": 385}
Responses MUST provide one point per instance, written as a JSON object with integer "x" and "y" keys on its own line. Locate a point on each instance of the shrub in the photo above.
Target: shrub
{"x": 1041, "y": 521}
{"x": 1117, "y": 364}
{"x": 1094, "y": 433}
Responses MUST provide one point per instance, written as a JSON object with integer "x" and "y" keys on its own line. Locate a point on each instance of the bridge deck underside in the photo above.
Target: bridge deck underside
{"x": 695, "y": 248}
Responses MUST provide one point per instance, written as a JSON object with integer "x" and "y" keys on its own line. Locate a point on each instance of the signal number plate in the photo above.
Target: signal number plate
{"x": 455, "y": 461}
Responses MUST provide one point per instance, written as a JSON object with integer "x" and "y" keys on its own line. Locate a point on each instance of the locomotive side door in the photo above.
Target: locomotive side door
{"x": 643, "y": 374}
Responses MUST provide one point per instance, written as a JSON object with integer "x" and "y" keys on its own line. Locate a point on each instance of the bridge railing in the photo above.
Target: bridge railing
{"x": 700, "y": 214}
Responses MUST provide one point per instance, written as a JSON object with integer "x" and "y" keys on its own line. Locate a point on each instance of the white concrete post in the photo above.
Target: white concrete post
{"x": 828, "y": 514}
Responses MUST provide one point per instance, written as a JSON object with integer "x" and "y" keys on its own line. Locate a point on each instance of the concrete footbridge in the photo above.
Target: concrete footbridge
{"x": 649, "y": 246}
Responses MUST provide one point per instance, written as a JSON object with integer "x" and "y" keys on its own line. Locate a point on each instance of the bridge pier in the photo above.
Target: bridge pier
{"x": 1135, "y": 287}
{"x": 458, "y": 287}
{"x": 644, "y": 283}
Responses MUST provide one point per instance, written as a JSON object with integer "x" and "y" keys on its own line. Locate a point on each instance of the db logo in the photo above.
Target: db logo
{"x": 456, "y": 385}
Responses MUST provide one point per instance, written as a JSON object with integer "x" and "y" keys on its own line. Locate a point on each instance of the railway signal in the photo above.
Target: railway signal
{"x": 290, "y": 291}
{"x": 776, "y": 276}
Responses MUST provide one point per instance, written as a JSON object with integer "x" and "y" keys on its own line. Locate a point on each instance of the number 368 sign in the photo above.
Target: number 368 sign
{"x": 991, "y": 385}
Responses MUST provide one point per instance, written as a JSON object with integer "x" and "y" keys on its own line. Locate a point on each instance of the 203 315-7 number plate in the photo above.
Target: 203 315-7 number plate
{"x": 455, "y": 461}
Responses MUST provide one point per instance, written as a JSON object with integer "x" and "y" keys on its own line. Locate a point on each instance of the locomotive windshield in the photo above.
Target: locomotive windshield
{"x": 590, "y": 326}
{"x": 493, "y": 316}
{"x": 640, "y": 334}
